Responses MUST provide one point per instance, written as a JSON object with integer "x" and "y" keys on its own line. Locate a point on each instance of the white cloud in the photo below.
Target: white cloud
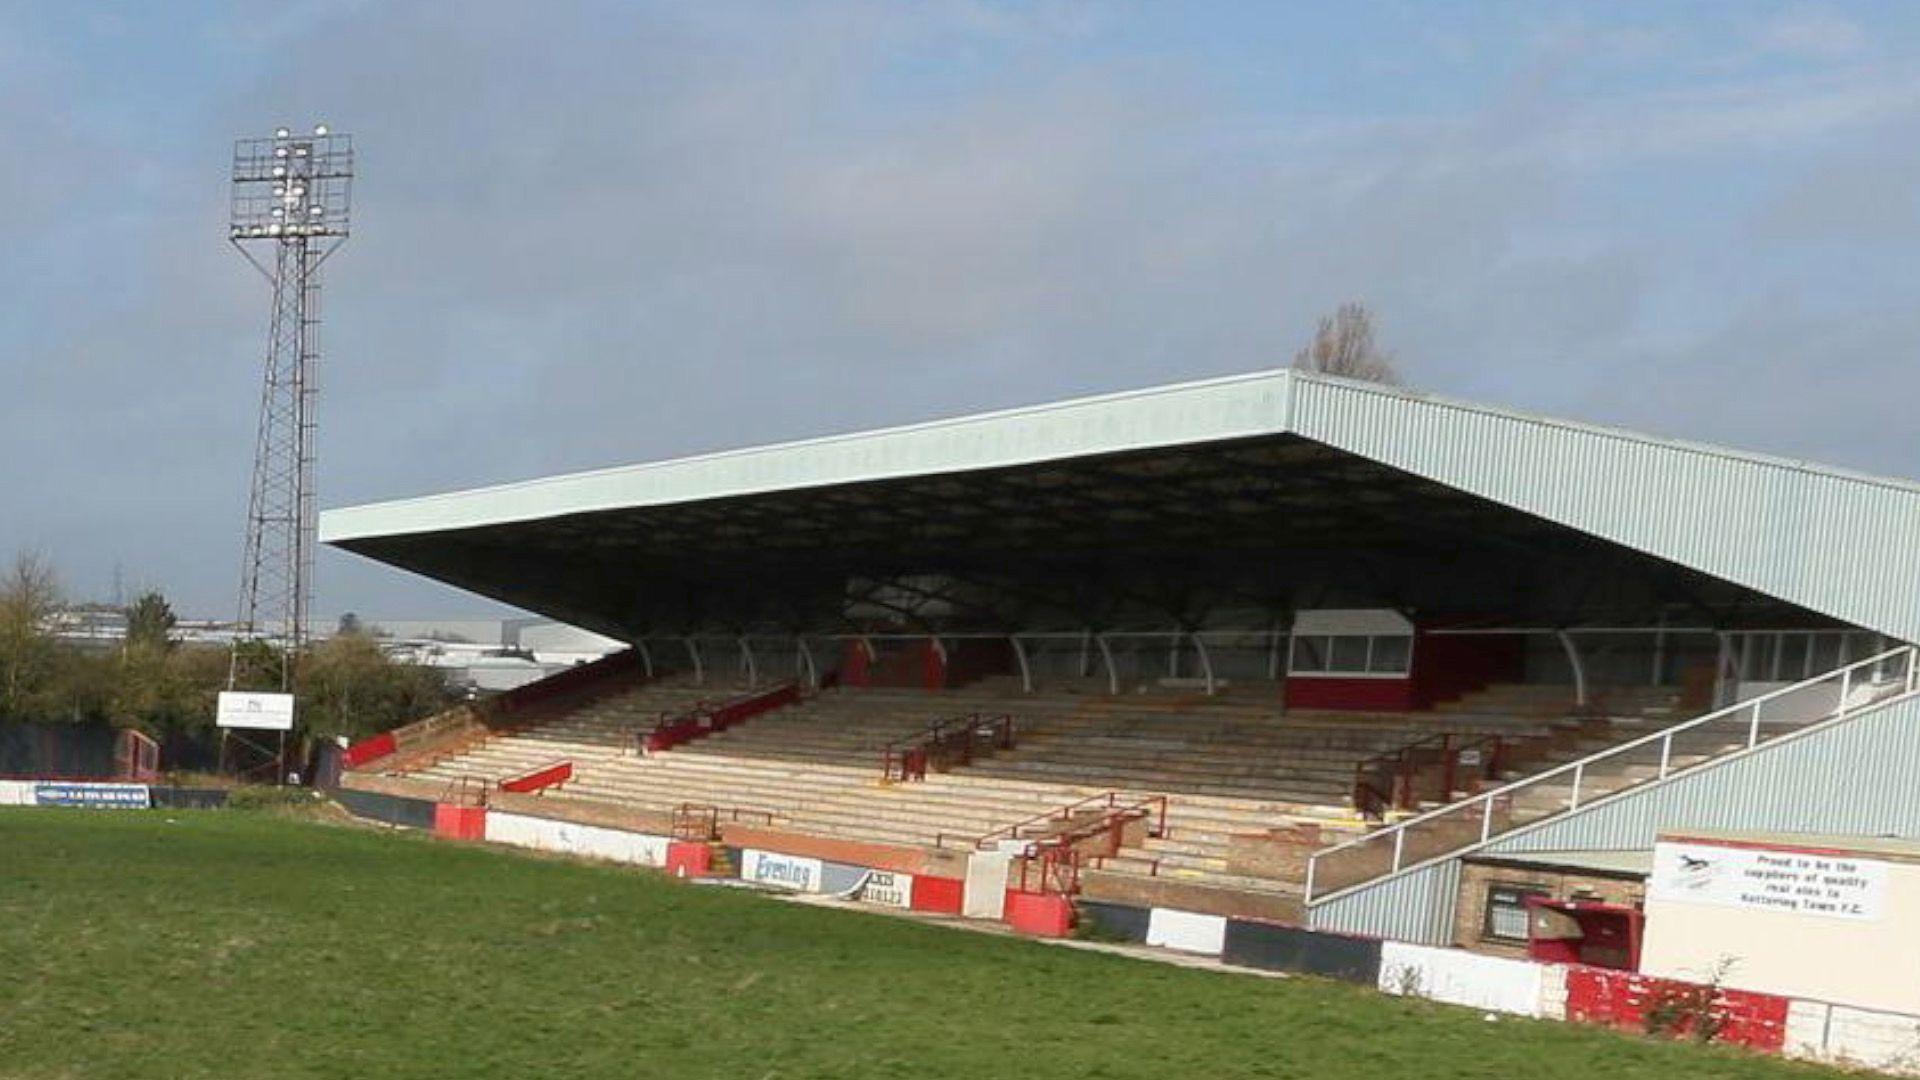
{"x": 605, "y": 234}
{"x": 1810, "y": 32}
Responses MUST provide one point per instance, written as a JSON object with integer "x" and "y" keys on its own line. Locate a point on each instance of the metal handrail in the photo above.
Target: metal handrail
{"x": 701, "y": 821}
{"x": 1485, "y": 800}
{"x": 903, "y": 751}
{"x": 1371, "y": 801}
{"x": 1145, "y": 805}
{"x": 698, "y": 822}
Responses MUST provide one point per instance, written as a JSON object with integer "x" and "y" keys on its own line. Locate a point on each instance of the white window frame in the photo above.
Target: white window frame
{"x": 1366, "y": 662}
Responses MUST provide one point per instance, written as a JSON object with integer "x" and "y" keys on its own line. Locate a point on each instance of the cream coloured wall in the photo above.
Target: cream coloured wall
{"x": 1871, "y": 962}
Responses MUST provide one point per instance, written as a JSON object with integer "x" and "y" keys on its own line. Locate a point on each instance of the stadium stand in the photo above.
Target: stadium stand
{"x": 1328, "y": 622}
{"x": 1229, "y": 765}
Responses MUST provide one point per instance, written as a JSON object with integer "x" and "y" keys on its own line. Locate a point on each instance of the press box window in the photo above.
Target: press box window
{"x": 1506, "y": 915}
{"x": 1351, "y": 654}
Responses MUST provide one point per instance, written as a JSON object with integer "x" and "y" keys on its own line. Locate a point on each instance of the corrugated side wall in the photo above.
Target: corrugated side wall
{"x": 1860, "y": 776}
{"x": 1844, "y": 545}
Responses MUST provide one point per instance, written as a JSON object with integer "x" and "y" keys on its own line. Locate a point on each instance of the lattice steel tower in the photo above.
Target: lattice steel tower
{"x": 291, "y": 197}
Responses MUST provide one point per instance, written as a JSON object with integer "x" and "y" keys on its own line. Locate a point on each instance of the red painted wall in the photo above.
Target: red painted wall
{"x": 1619, "y": 999}
{"x": 1353, "y": 695}
{"x": 901, "y": 665}
{"x": 854, "y": 664}
{"x": 688, "y": 859}
{"x": 971, "y": 659}
{"x": 1445, "y": 666}
{"x": 938, "y": 894}
{"x": 460, "y": 822}
{"x": 1043, "y": 915}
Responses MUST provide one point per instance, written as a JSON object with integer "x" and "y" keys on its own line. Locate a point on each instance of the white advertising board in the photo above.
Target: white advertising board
{"x": 1487, "y": 983}
{"x": 786, "y": 871}
{"x": 1764, "y": 879}
{"x": 1187, "y": 931}
{"x": 571, "y": 838}
{"x": 890, "y": 889}
{"x": 92, "y": 796}
{"x": 261, "y": 712}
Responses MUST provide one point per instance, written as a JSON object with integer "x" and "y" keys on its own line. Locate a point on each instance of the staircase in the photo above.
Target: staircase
{"x": 1588, "y": 772}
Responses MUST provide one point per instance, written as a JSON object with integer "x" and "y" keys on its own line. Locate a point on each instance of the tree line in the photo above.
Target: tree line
{"x": 167, "y": 688}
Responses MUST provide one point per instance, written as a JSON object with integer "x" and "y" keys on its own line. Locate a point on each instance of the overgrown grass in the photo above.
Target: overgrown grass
{"x": 225, "y": 944}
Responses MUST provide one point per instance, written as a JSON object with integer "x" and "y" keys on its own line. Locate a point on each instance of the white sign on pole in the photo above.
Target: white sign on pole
{"x": 1763, "y": 879}
{"x": 263, "y": 712}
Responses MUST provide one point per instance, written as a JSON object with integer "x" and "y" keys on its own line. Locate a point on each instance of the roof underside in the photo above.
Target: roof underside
{"x": 1184, "y": 505}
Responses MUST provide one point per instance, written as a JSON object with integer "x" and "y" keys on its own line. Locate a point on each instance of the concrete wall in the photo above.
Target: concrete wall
{"x": 571, "y": 838}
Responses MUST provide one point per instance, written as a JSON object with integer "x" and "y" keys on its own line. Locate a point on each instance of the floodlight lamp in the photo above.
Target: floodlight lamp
{"x": 281, "y": 133}
{"x": 279, "y": 170}
{"x": 319, "y": 129}
{"x": 273, "y": 229}
{"x": 279, "y": 151}
{"x": 277, "y": 211}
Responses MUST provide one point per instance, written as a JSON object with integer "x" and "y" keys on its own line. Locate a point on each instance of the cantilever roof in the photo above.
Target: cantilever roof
{"x": 1839, "y": 543}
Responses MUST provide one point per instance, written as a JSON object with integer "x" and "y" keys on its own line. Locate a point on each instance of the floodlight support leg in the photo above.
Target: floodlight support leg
{"x": 646, "y": 656}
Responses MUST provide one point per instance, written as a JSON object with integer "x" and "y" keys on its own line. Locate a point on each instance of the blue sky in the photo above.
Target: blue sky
{"x": 589, "y": 234}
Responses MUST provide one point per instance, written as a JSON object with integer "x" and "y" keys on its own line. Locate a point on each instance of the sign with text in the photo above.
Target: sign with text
{"x": 1765, "y": 879}
{"x": 262, "y": 712}
{"x": 884, "y": 887}
{"x": 93, "y": 796}
{"x": 785, "y": 871}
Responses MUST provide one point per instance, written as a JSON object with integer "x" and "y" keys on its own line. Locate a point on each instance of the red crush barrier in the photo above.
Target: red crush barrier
{"x": 460, "y": 822}
{"x": 1622, "y": 999}
{"x": 371, "y": 749}
{"x": 937, "y": 894}
{"x": 702, "y": 721}
{"x": 1041, "y": 914}
{"x": 544, "y": 777}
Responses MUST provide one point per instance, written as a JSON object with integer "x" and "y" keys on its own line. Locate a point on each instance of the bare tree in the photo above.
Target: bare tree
{"x": 29, "y": 596}
{"x": 1344, "y": 346}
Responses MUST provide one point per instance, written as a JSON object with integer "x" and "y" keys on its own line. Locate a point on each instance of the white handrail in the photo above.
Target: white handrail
{"x": 1485, "y": 800}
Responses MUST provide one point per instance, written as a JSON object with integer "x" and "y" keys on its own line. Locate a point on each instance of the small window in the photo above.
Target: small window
{"x": 1309, "y": 654}
{"x": 1349, "y": 654}
{"x": 1506, "y": 916}
{"x": 1390, "y": 655}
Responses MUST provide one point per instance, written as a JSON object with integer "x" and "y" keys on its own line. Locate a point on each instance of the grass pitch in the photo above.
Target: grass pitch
{"x": 233, "y": 944}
